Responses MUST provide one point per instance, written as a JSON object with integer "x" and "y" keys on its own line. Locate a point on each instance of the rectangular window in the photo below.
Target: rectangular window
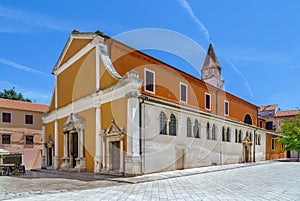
{"x": 183, "y": 92}
{"x": 28, "y": 119}
{"x": 260, "y": 124}
{"x": 269, "y": 125}
{"x": 29, "y": 139}
{"x": 6, "y": 117}
{"x": 6, "y": 139}
{"x": 273, "y": 144}
{"x": 226, "y": 108}
{"x": 149, "y": 83}
{"x": 207, "y": 101}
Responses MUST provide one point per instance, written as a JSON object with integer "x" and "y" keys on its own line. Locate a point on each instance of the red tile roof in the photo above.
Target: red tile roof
{"x": 21, "y": 105}
{"x": 287, "y": 113}
{"x": 268, "y": 108}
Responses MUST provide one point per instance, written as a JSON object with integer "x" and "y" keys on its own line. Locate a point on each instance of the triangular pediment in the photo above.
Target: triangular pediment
{"x": 114, "y": 129}
{"x": 75, "y": 43}
{"x": 73, "y": 122}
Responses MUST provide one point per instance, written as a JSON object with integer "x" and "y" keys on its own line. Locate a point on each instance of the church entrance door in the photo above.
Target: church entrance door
{"x": 74, "y": 148}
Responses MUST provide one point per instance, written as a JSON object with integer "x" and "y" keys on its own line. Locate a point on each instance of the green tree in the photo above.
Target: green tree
{"x": 13, "y": 95}
{"x": 291, "y": 135}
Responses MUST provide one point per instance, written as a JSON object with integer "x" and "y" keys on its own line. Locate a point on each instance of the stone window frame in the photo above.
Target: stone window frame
{"x": 6, "y": 134}
{"x": 163, "y": 123}
{"x": 146, "y": 70}
{"x": 213, "y": 132}
{"x": 4, "y": 112}
{"x": 25, "y": 140}
{"x": 207, "y": 131}
{"x": 196, "y": 129}
{"x": 228, "y": 134}
{"x": 25, "y": 115}
{"x": 226, "y": 108}
{"x": 207, "y": 106}
{"x": 181, "y": 84}
{"x": 189, "y": 127}
{"x": 173, "y": 125}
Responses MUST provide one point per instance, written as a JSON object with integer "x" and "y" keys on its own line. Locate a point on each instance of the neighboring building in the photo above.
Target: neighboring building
{"x": 21, "y": 130}
{"x": 273, "y": 118}
{"x": 118, "y": 110}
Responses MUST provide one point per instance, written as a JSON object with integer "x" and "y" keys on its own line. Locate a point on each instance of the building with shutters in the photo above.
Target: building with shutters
{"x": 21, "y": 130}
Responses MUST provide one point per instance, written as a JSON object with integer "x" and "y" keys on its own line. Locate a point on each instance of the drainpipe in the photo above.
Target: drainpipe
{"x": 141, "y": 129}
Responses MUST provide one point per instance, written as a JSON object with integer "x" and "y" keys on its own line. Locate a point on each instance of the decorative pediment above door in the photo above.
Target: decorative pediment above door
{"x": 113, "y": 132}
{"x": 74, "y": 122}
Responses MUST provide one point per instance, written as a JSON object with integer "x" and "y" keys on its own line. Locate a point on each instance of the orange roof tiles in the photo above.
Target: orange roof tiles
{"x": 268, "y": 108}
{"x": 21, "y": 105}
{"x": 287, "y": 113}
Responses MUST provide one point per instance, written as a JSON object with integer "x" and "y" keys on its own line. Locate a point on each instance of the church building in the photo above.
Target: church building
{"x": 117, "y": 110}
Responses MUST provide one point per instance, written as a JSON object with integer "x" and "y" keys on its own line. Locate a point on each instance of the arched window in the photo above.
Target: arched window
{"x": 250, "y": 137}
{"x": 240, "y": 136}
{"x": 223, "y": 133}
{"x": 172, "y": 125}
{"x": 248, "y": 119}
{"x": 214, "y": 132}
{"x": 247, "y": 134}
{"x": 196, "y": 129}
{"x": 163, "y": 123}
{"x": 236, "y": 136}
{"x": 258, "y": 140}
{"x": 189, "y": 127}
{"x": 207, "y": 131}
{"x": 228, "y": 135}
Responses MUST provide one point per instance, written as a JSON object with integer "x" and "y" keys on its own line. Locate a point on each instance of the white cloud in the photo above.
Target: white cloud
{"x": 16, "y": 19}
{"x": 241, "y": 75}
{"x": 21, "y": 67}
{"x": 191, "y": 13}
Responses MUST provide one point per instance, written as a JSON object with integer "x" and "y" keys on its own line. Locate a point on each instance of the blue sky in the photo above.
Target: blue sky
{"x": 257, "y": 42}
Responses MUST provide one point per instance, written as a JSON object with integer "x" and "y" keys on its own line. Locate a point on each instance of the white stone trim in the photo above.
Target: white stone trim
{"x": 186, "y": 92}
{"x": 11, "y": 117}
{"x": 55, "y": 91}
{"x": 145, "y": 77}
{"x": 92, "y": 101}
{"x": 32, "y": 119}
{"x": 209, "y": 109}
{"x": 78, "y": 55}
{"x": 97, "y": 68}
{"x": 225, "y": 101}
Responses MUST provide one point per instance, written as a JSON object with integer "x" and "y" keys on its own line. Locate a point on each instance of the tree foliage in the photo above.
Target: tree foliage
{"x": 291, "y": 134}
{"x": 13, "y": 95}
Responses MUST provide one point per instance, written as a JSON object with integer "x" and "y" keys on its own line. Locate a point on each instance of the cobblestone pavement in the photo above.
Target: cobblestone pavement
{"x": 270, "y": 181}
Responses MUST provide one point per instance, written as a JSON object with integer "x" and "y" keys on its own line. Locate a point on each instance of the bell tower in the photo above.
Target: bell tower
{"x": 211, "y": 69}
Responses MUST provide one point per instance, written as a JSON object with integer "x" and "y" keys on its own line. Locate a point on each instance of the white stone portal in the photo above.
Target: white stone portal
{"x": 73, "y": 158}
{"x": 112, "y": 148}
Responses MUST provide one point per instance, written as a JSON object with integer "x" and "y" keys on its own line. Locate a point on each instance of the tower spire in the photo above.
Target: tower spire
{"x": 211, "y": 69}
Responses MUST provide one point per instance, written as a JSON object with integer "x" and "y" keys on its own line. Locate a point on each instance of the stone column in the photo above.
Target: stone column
{"x": 43, "y": 146}
{"x": 103, "y": 153}
{"x": 133, "y": 162}
{"x": 55, "y": 161}
{"x": 108, "y": 162}
{"x": 80, "y": 161}
{"x": 121, "y": 156}
{"x": 65, "y": 158}
{"x": 97, "y": 157}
